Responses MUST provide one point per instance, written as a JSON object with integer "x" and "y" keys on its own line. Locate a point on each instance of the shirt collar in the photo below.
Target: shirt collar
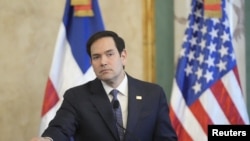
{"x": 122, "y": 87}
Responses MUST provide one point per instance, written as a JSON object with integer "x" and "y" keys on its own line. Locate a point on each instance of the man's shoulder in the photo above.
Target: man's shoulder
{"x": 143, "y": 83}
{"x": 84, "y": 86}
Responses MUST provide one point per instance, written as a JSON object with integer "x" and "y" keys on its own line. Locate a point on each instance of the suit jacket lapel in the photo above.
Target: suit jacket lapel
{"x": 133, "y": 105}
{"x": 100, "y": 99}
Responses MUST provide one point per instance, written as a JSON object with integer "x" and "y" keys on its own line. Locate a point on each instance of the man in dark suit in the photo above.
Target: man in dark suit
{"x": 86, "y": 113}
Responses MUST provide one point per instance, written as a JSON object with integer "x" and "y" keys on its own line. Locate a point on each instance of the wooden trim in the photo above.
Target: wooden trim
{"x": 149, "y": 40}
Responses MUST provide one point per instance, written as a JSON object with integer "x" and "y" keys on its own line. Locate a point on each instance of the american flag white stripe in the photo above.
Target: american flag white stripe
{"x": 214, "y": 110}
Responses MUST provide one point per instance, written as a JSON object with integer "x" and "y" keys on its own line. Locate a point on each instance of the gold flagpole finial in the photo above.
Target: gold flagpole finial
{"x": 82, "y": 8}
{"x": 213, "y": 8}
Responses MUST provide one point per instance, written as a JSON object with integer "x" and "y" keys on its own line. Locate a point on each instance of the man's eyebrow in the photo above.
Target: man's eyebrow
{"x": 110, "y": 51}
{"x": 107, "y": 51}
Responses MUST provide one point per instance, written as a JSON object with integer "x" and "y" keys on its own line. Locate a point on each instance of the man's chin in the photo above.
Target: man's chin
{"x": 105, "y": 77}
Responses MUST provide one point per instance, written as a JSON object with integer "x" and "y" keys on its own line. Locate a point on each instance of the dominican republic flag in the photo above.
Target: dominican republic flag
{"x": 206, "y": 88}
{"x": 71, "y": 63}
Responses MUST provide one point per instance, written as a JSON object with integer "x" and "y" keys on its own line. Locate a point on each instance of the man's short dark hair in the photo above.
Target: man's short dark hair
{"x": 119, "y": 42}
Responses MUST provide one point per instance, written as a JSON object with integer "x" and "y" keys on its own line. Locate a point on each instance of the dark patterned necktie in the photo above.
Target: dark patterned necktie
{"x": 117, "y": 113}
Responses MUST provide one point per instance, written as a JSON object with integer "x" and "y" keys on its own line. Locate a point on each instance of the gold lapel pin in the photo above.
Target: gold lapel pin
{"x": 139, "y": 97}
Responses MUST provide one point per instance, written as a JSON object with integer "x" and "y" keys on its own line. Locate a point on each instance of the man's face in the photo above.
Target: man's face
{"x": 106, "y": 60}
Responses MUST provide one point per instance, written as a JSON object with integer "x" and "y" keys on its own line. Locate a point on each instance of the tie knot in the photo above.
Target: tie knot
{"x": 114, "y": 93}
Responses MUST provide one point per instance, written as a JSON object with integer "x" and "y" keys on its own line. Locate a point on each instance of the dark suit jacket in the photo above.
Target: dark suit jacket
{"x": 86, "y": 114}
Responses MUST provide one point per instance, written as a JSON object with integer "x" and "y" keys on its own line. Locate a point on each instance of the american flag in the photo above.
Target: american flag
{"x": 71, "y": 63}
{"x": 206, "y": 88}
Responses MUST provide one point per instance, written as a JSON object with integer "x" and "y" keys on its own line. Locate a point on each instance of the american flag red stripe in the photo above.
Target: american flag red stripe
{"x": 206, "y": 88}
{"x": 178, "y": 127}
{"x": 201, "y": 115}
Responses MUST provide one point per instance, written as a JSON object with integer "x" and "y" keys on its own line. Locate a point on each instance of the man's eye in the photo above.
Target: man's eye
{"x": 95, "y": 57}
{"x": 110, "y": 54}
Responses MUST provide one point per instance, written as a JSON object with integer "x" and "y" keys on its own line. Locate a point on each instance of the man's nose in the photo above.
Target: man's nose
{"x": 103, "y": 60}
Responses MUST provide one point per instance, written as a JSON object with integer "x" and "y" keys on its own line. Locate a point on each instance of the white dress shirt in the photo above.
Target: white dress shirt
{"x": 122, "y": 97}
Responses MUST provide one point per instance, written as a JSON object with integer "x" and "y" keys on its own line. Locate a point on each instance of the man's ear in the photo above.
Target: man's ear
{"x": 124, "y": 56}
